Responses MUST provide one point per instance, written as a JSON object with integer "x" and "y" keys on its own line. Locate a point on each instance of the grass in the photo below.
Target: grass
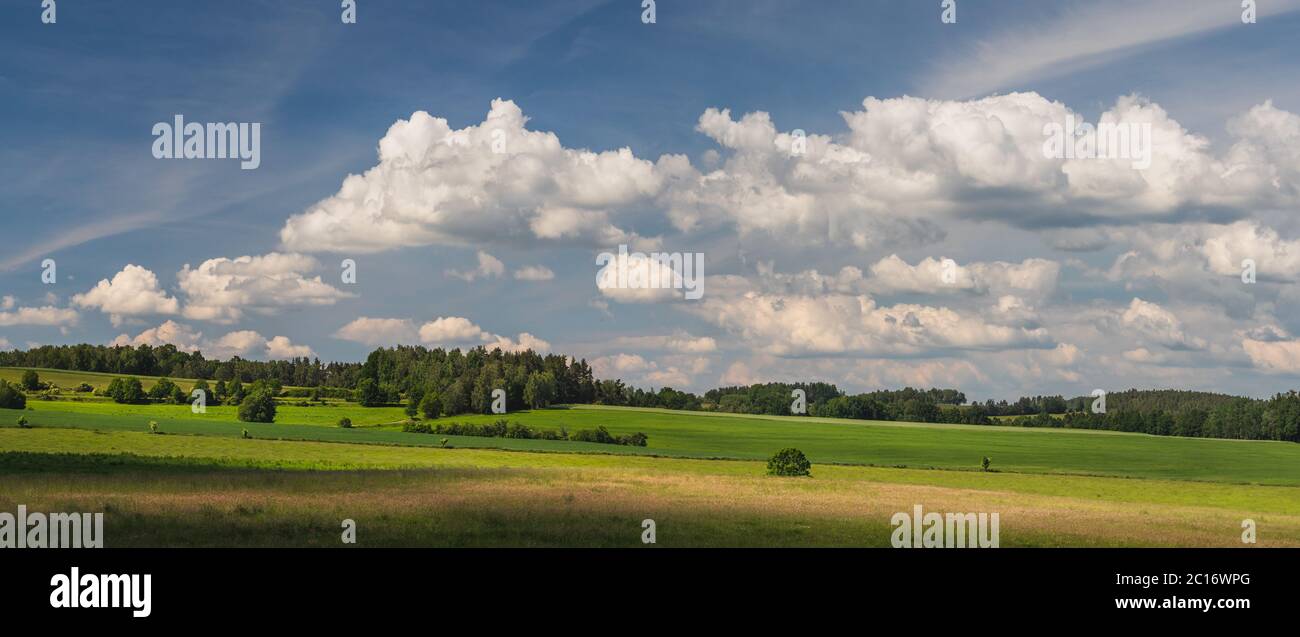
{"x": 286, "y": 412}
{"x": 732, "y": 436}
{"x": 701, "y": 478}
{"x": 198, "y": 491}
{"x": 67, "y": 379}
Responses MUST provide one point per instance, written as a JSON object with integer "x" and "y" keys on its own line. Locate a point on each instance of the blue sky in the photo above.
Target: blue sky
{"x": 1069, "y": 276}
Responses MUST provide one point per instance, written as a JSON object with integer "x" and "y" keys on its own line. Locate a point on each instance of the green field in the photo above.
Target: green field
{"x": 701, "y": 475}
{"x": 160, "y": 490}
{"x": 701, "y": 435}
{"x": 68, "y": 379}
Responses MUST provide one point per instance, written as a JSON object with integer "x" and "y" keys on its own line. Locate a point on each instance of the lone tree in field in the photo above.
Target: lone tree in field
{"x": 984, "y": 464}
{"x": 345, "y": 423}
{"x": 258, "y": 406}
{"x": 789, "y": 462}
{"x": 31, "y": 380}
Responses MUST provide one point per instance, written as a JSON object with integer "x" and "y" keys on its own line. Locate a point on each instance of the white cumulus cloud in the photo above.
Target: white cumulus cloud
{"x": 222, "y": 289}
{"x": 134, "y": 291}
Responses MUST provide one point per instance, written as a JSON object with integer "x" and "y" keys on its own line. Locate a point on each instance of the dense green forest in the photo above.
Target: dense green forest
{"x": 434, "y": 382}
{"x": 1277, "y": 418}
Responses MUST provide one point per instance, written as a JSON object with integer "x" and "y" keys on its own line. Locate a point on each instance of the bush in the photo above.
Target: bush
{"x": 517, "y": 430}
{"x": 789, "y": 462}
{"x": 162, "y": 390}
{"x": 84, "y": 388}
{"x": 599, "y": 434}
{"x": 345, "y": 423}
{"x": 153, "y": 426}
{"x": 984, "y": 464}
{"x": 11, "y": 397}
{"x": 23, "y": 423}
{"x": 258, "y": 406}
{"x": 245, "y": 435}
{"x": 31, "y": 380}
{"x": 126, "y": 390}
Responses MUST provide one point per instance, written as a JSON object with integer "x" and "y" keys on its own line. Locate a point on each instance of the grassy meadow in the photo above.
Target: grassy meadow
{"x": 701, "y": 477}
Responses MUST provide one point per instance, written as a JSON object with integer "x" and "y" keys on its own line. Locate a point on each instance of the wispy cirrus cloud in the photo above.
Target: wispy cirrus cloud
{"x": 1077, "y": 37}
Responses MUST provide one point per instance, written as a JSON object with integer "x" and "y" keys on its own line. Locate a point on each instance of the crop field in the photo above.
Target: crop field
{"x": 69, "y": 379}
{"x": 161, "y": 490}
{"x": 701, "y": 477}
{"x": 731, "y": 436}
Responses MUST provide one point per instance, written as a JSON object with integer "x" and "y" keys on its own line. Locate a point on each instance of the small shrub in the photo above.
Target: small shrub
{"x": 599, "y": 434}
{"x": 789, "y": 462}
{"x": 345, "y": 423}
{"x": 520, "y": 431}
{"x": 153, "y": 426}
{"x": 245, "y": 435}
{"x": 984, "y": 464}
{"x": 23, "y": 423}
{"x": 443, "y": 442}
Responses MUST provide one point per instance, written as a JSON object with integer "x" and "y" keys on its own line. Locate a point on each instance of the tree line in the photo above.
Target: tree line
{"x": 1203, "y": 416}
